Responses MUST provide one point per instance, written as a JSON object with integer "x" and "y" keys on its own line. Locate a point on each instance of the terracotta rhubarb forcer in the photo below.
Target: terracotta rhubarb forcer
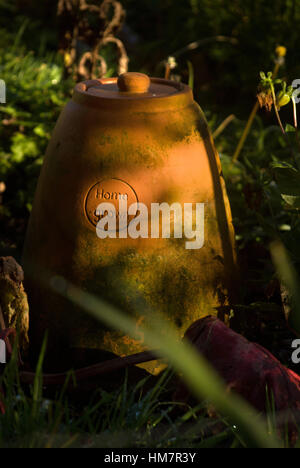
{"x": 148, "y": 141}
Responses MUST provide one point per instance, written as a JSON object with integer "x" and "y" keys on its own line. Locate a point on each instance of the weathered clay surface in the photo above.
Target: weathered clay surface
{"x": 158, "y": 144}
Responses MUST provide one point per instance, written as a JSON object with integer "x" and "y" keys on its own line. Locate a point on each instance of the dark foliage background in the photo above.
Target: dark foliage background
{"x": 225, "y": 73}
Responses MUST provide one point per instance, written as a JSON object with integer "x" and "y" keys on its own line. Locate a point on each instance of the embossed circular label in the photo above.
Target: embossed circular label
{"x": 114, "y": 191}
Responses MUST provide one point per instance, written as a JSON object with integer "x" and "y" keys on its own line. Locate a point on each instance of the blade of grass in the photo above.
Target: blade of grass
{"x": 290, "y": 278}
{"x": 38, "y": 380}
{"x": 222, "y": 126}
{"x": 191, "y": 74}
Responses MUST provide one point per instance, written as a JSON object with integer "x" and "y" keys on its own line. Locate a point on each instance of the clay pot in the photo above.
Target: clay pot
{"x": 146, "y": 141}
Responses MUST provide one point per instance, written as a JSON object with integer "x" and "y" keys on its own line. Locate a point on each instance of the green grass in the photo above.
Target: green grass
{"x": 126, "y": 417}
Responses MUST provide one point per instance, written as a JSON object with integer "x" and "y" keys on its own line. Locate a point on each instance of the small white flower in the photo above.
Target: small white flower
{"x": 172, "y": 62}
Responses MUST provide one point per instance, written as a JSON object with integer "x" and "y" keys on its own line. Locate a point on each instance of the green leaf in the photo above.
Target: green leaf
{"x": 41, "y": 131}
{"x": 23, "y": 146}
{"x": 288, "y": 180}
{"x": 290, "y": 129}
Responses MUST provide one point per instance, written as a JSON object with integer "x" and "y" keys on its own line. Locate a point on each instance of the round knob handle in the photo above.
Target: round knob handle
{"x": 134, "y": 83}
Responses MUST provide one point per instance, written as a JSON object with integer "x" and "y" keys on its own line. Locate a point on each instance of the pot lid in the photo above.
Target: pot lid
{"x": 132, "y": 88}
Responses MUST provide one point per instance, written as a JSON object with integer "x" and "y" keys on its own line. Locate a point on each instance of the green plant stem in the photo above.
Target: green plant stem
{"x": 245, "y": 133}
{"x": 191, "y": 74}
{"x": 295, "y": 113}
{"x": 280, "y": 123}
{"x": 250, "y": 121}
{"x": 296, "y": 121}
{"x": 275, "y": 107}
{"x": 223, "y": 125}
{"x": 167, "y": 71}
